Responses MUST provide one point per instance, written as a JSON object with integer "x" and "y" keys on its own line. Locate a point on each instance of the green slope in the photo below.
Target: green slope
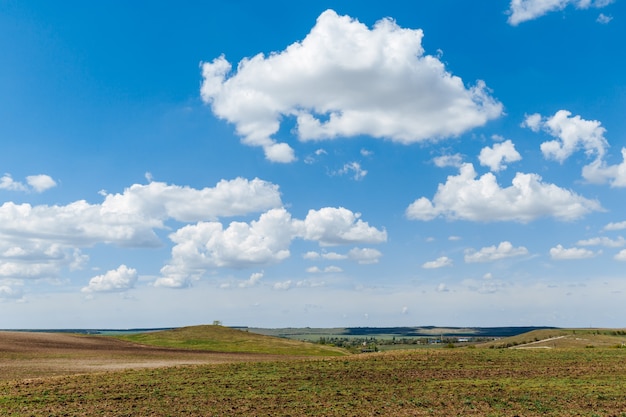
{"x": 223, "y": 339}
{"x": 562, "y": 338}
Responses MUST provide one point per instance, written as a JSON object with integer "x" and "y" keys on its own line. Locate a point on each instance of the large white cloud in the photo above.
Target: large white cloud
{"x": 121, "y": 279}
{"x": 496, "y": 156}
{"x": 524, "y": 10}
{"x": 39, "y": 241}
{"x": 159, "y": 200}
{"x": 467, "y": 197}
{"x": 343, "y": 80}
{"x": 208, "y": 245}
{"x": 493, "y": 253}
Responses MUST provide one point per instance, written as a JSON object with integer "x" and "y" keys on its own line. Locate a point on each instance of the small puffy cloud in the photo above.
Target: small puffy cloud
{"x": 599, "y": 172}
{"x": 365, "y": 256}
{"x": 334, "y": 256}
{"x": 443, "y": 161}
{"x": 366, "y": 152}
{"x": 572, "y": 133}
{"x": 533, "y": 122}
{"x": 438, "y": 263}
{"x": 442, "y": 288}
{"x": 561, "y": 253}
{"x": 621, "y": 256}
{"x": 252, "y": 281}
{"x": 40, "y": 183}
{"x": 345, "y": 79}
{"x": 467, "y": 197}
{"x": 454, "y": 238}
{"x": 7, "y": 183}
{"x": 36, "y": 183}
{"x": 493, "y": 253}
{"x": 338, "y": 226}
{"x": 604, "y": 19}
{"x": 312, "y": 255}
{"x": 121, "y": 279}
{"x": 353, "y": 168}
{"x": 603, "y": 241}
{"x": 496, "y": 156}
{"x": 616, "y": 226}
{"x": 524, "y": 10}
{"x": 285, "y": 285}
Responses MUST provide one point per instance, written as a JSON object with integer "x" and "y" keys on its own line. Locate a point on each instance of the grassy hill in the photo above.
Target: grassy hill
{"x": 224, "y": 339}
{"x": 562, "y": 338}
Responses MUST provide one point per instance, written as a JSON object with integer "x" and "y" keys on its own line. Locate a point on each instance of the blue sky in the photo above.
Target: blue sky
{"x": 313, "y": 164}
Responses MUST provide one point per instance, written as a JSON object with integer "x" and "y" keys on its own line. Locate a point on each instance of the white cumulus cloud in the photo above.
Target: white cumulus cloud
{"x": 438, "y": 263}
{"x": 467, "y": 197}
{"x": 121, "y": 279}
{"x": 254, "y": 279}
{"x": 338, "y": 226}
{"x": 621, "y": 256}
{"x": 41, "y": 183}
{"x": 365, "y": 255}
{"x": 207, "y": 245}
{"x": 524, "y": 10}
{"x": 599, "y": 172}
{"x": 36, "y": 183}
{"x": 493, "y": 253}
{"x": 496, "y": 156}
{"x": 345, "y": 79}
{"x": 561, "y": 253}
{"x": 572, "y": 133}
{"x": 443, "y": 161}
{"x": 616, "y": 226}
{"x": 39, "y": 241}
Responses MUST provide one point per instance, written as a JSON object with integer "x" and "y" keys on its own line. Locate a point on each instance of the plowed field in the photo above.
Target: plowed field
{"x": 34, "y": 355}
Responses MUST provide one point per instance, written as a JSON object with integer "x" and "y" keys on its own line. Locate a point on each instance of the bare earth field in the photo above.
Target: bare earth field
{"x": 35, "y": 355}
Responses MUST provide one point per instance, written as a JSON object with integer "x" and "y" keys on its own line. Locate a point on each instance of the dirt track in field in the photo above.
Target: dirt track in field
{"x": 34, "y": 355}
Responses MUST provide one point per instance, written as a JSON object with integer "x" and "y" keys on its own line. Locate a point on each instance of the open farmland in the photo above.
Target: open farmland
{"x": 431, "y": 382}
{"x": 34, "y": 355}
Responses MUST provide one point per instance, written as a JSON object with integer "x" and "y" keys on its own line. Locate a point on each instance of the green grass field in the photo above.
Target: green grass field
{"x": 224, "y": 339}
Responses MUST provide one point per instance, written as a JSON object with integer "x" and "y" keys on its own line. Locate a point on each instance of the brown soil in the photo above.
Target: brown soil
{"x": 34, "y": 355}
